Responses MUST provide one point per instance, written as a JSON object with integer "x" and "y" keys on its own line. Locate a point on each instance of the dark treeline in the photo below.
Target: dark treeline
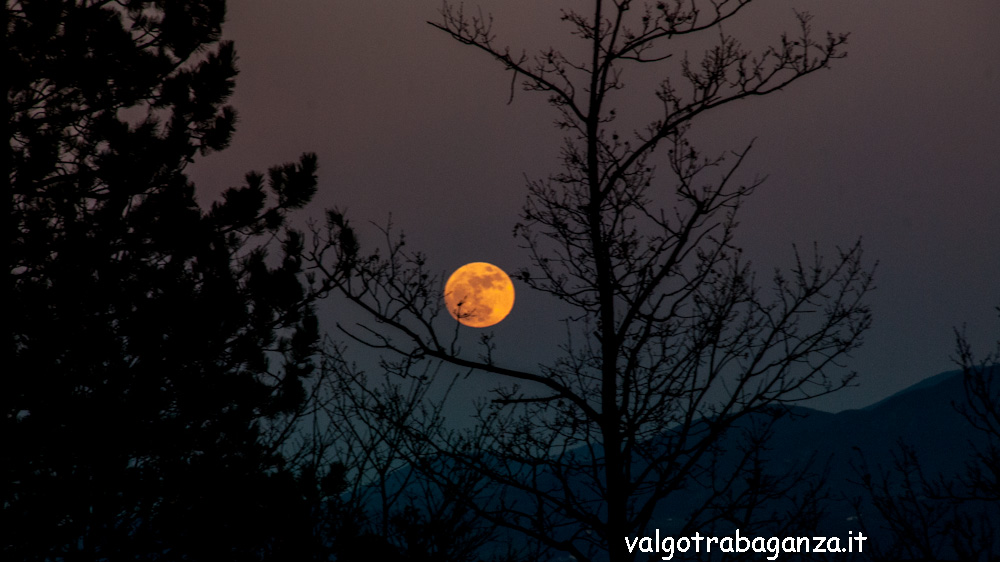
{"x": 158, "y": 347}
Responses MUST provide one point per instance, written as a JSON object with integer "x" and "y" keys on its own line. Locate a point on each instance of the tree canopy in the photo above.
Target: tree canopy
{"x": 156, "y": 343}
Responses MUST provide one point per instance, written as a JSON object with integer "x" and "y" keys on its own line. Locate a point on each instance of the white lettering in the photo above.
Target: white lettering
{"x": 737, "y": 543}
{"x": 773, "y": 547}
{"x": 740, "y": 541}
{"x": 631, "y": 547}
{"x": 818, "y": 544}
{"x": 646, "y": 545}
{"x": 831, "y": 546}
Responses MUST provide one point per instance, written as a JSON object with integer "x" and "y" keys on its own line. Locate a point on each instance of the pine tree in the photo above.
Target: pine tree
{"x": 153, "y": 340}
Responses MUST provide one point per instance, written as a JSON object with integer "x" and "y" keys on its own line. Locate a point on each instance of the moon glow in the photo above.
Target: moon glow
{"x": 479, "y": 294}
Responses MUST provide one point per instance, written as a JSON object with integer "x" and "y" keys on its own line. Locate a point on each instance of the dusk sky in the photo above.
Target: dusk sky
{"x": 897, "y": 144}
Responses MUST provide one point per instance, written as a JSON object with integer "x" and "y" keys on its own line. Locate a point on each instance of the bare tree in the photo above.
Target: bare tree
{"x": 672, "y": 342}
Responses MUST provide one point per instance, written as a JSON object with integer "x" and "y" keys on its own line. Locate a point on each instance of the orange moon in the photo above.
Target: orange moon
{"x": 479, "y": 294}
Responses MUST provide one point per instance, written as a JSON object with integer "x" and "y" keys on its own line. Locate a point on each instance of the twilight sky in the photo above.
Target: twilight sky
{"x": 897, "y": 144}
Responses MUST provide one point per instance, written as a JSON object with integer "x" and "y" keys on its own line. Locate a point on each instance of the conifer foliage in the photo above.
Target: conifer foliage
{"x": 154, "y": 341}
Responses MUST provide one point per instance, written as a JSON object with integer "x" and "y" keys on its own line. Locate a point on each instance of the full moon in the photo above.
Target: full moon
{"x": 479, "y": 294}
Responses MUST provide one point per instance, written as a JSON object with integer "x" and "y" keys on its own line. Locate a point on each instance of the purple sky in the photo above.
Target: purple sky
{"x": 898, "y": 143}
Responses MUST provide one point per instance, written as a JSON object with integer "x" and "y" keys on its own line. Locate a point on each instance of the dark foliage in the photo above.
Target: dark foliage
{"x": 153, "y": 341}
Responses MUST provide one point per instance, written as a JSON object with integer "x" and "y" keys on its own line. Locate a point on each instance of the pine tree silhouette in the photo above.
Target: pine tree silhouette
{"x": 152, "y": 339}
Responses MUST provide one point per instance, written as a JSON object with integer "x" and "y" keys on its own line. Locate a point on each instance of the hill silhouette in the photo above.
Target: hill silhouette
{"x": 923, "y": 416}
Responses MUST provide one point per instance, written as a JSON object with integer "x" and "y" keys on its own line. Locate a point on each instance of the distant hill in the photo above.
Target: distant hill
{"x": 929, "y": 382}
{"x": 923, "y": 416}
